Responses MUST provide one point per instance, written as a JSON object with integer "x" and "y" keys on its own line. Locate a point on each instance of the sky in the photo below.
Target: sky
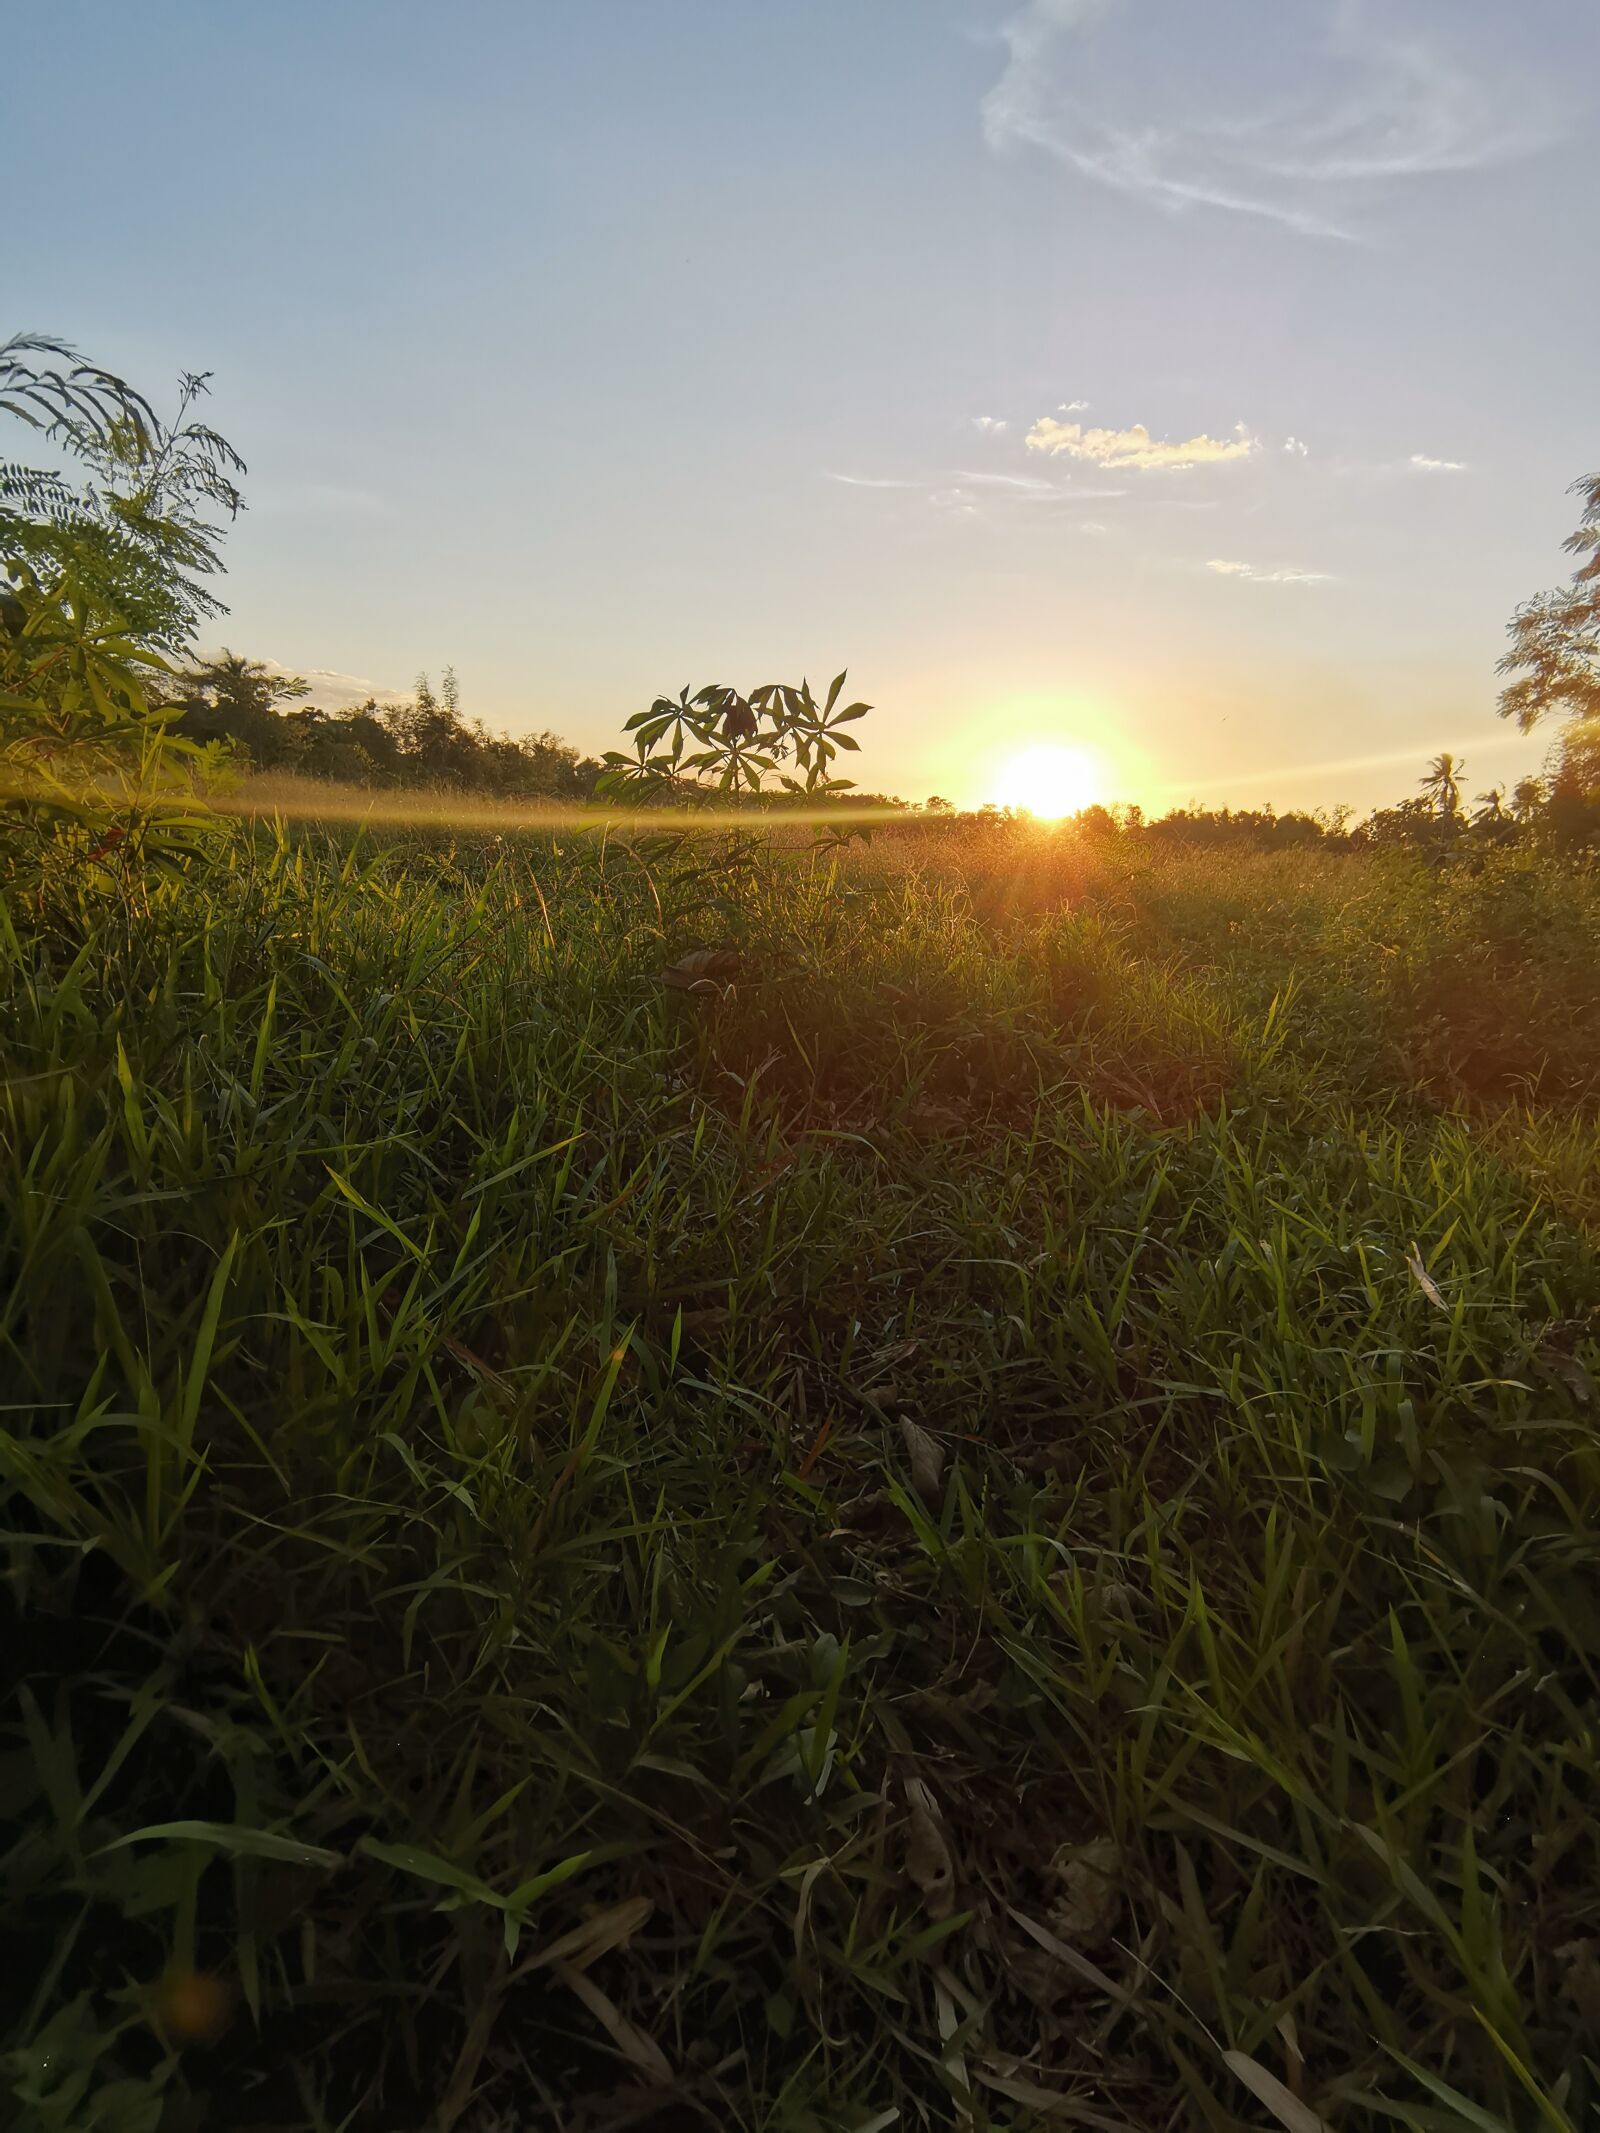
{"x": 1193, "y": 385}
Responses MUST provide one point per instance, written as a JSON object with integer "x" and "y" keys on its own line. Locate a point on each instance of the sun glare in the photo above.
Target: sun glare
{"x": 1050, "y": 781}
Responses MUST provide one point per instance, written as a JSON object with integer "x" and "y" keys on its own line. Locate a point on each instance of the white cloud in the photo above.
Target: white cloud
{"x": 1249, "y": 573}
{"x": 1294, "y": 447}
{"x": 331, "y": 690}
{"x": 991, "y": 425}
{"x": 1340, "y": 99}
{"x": 1134, "y": 447}
{"x": 1073, "y": 407}
{"x": 873, "y": 481}
{"x": 1425, "y": 465}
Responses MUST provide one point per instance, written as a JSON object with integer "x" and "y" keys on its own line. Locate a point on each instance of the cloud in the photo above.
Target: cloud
{"x": 1294, "y": 447}
{"x": 873, "y": 481}
{"x": 1425, "y": 465}
{"x": 1324, "y": 106}
{"x": 954, "y": 502}
{"x": 1131, "y": 448}
{"x": 991, "y": 425}
{"x": 1072, "y": 407}
{"x": 331, "y": 690}
{"x": 1249, "y": 573}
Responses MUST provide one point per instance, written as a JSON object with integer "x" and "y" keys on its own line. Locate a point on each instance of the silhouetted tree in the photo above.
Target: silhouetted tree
{"x": 1441, "y": 786}
{"x": 234, "y": 699}
{"x": 1555, "y": 637}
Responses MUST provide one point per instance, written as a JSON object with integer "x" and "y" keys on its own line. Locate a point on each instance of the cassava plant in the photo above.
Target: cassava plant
{"x": 721, "y": 742}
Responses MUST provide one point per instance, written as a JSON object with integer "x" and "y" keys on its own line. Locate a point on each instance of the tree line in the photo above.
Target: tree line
{"x": 261, "y": 719}
{"x": 103, "y": 593}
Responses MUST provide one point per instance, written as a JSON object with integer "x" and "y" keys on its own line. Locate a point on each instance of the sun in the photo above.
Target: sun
{"x": 1050, "y": 780}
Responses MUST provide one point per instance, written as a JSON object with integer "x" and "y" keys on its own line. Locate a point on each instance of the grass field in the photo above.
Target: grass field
{"x": 990, "y": 1525}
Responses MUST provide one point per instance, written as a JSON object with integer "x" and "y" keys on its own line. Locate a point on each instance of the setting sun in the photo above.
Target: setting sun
{"x": 1051, "y": 780}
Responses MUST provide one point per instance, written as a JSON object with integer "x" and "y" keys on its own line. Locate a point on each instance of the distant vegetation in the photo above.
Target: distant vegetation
{"x": 801, "y": 1486}
{"x": 420, "y": 741}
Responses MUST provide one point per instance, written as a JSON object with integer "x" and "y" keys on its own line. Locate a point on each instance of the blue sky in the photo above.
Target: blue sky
{"x": 602, "y": 346}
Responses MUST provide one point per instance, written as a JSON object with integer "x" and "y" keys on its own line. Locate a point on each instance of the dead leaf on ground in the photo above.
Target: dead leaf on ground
{"x": 499, "y": 1389}
{"x": 639, "y": 2050}
{"x": 702, "y": 970}
{"x": 704, "y": 1328}
{"x": 582, "y": 1944}
{"x": 1088, "y": 1880}
{"x": 1424, "y": 1280}
{"x": 1285, "y": 2107}
{"x": 927, "y": 1462}
{"x": 1567, "y": 1371}
{"x": 929, "y": 1865}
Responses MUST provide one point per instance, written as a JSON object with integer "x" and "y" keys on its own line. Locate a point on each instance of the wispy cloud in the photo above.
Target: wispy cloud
{"x": 1247, "y": 573}
{"x": 991, "y": 425}
{"x": 1425, "y": 465}
{"x": 1135, "y": 448}
{"x": 1295, "y": 448}
{"x": 331, "y": 690}
{"x": 970, "y": 492}
{"x": 1198, "y": 129}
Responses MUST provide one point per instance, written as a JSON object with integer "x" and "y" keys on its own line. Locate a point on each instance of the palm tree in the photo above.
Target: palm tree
{"x": 1527, "y": 797}
{"x": 1491, "y": 807}
{"x": 1441, "y": 786}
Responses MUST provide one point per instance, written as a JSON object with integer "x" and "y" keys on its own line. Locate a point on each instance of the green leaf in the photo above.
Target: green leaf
{"x": 428, "y": 1866}
{"x": 233, "y": 1838}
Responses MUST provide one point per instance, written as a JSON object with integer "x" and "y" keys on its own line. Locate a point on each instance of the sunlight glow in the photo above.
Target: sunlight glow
{"x": 1050, "y": 781}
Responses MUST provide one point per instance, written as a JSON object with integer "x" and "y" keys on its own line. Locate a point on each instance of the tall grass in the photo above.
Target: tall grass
{"x": 993, "y": 1527}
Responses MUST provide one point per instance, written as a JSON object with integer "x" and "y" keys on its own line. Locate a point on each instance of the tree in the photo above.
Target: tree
{"x": 95, "y": 583}
{"x": 1573, "y": 808}
{"x": 1440, "y": 785}
{"x": 1527, "y": 797}
{"x": 1491, "y": 808}
{"x": 233, "y": 699}
{"x": 141, "y": 532}
{"x": 1555, "y": 637}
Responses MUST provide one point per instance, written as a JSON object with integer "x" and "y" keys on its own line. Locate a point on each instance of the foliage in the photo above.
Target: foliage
{"x": 140, "y": 534}
{"x": 992, "y": 1524}
{"x": 420, "y": 743}
{"x": 93, "y": 583}
{"x": 91, "y": 780}
{"x": 1441, "y": 787}
{"x": 732, "y": 744}
{"x": 1555, "y": 637}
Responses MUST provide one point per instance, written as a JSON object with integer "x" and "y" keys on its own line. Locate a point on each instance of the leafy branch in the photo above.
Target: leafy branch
{"x": 719, "y": 740}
